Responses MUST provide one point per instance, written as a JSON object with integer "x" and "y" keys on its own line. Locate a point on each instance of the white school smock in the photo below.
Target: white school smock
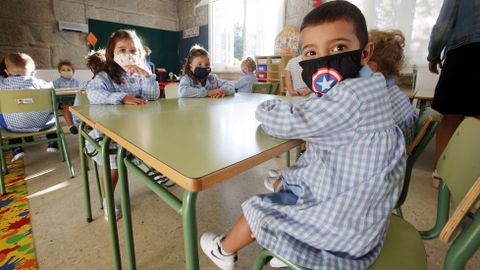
{"x": 334, "y": 206}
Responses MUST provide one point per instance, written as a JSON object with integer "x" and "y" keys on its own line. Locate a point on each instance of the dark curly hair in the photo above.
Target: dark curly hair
{"x": 96, "y": 61}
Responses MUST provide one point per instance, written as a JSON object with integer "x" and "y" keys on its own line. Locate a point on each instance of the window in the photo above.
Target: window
{"x": 241, "y": 28}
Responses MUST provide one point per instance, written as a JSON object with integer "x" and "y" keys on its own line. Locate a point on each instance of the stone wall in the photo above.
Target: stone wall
{"x": 31, "y": 26}
{"x": 189, "y": 16}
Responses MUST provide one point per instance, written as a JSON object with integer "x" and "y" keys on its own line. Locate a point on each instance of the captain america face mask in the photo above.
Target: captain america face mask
{"x": 322, "y": 74}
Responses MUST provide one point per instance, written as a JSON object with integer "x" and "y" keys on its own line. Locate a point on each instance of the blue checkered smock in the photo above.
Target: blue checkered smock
{"x": 28, "y": 121}
{"x": 334, "y": 205}
{"x": 102, "y": 90}
{"x": 66, "y": 83}
{"x": 187, "y": 88}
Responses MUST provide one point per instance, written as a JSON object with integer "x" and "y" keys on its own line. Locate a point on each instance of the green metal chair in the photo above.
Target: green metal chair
{"x": 21, "y": 101}
{"x": 459, "y": 167}
{"x": 426, "y": 128}
{"x": 262, "y": 88}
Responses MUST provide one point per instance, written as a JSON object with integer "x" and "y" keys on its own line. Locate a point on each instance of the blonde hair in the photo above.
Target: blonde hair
{"x": 19, "y": 64}
{"x": 388, "y": 53}
{"x": 249, "y": 63}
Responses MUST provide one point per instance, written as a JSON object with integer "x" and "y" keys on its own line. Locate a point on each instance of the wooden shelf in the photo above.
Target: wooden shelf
{"x": 275, "y": 69}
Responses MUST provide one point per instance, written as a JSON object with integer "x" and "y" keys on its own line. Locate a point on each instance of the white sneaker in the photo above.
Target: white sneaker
{"x": 18, "y": 156}
{"x": 269, "y": 183}
{"x": 118, "y": 212}
{"x": 52, "y": 150}
{"x": 274, "y": 173}
{"x": 277, "y": 263}
{"x": 210, "y": 243}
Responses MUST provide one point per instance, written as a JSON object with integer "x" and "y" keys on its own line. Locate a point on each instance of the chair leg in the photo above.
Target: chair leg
{"x": 67, "y": 156}
{"x": 2, "y": 183}
{"x": 86, "y": 187}
{"x": 3, "y": 172}
{"x": 99, "y": 188}
{"x": 261, "y": 259}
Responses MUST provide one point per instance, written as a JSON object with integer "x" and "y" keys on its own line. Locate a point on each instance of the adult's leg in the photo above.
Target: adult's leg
{"x": 447, "y": 127}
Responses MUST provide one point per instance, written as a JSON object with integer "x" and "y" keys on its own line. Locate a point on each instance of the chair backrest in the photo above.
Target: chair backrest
{"x": 28, "y": 100}
{"x": 171, "y": 90}
{"x": 82, "y": 98}
{"x": 459, "y": 165}
{"x": 426, "y": 128}
{"x": 262, "y": 88}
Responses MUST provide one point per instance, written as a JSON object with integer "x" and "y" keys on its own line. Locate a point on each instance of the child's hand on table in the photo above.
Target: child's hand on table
{"x": 216, "y": 93}
{"x": 129, "y": 100}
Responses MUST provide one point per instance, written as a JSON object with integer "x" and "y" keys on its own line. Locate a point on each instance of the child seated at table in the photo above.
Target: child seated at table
{"x": 197, "y": 80}
{"x": 125, "y": 79}
{"x": 245, "y": 83}
{"x": 332, "y": 208}
{"x": 388, "y": 58}
{"x": 66, "y": 80}
{"x": 20, "y": 71}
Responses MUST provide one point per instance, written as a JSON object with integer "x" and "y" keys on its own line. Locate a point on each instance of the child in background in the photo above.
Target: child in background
{"x": 332, "y": 208}
{"x": 126, "y": 79}
{"x": 293, "y": 78}
{"x": 20, "y": 70}
{"x": 245, "y": 84}
{"x": 388, "y": 58}
{"x": 197, "y": 80}
{"x": 66, "y": 80}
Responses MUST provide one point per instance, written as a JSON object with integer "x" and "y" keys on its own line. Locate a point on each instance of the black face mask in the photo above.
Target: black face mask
{"x": 201, "y": 72}
{"x": 321, "y": 74}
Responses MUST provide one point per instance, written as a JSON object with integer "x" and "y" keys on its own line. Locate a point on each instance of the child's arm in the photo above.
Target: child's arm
{"x": 99, "y": 91}
{"x": 226, "y": 86}
{"x": 242, "y": 82}
{"x": 150, "y": 89}
{"x": 186, "y": 88}
{"x": 335, "y": 114}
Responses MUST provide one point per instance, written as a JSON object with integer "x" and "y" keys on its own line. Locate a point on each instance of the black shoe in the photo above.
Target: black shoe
{"x": 73, "y": 130}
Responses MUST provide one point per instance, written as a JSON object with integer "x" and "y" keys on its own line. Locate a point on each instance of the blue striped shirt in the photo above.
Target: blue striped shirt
{"x": 187, "y": 88}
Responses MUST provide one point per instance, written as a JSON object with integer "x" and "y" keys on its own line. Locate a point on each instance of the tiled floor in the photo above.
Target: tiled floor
{"x": 64, "y": 240}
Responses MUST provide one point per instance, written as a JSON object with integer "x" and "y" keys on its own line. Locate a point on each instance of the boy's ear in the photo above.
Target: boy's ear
{"x": 367, "y": 53}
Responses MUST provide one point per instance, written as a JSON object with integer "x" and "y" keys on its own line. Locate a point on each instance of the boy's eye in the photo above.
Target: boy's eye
{"x": 339, "y": 48}
{"x": 309, "y": 53}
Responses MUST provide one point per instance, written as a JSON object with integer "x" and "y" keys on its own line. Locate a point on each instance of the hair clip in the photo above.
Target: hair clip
{"x": 113, "y": 34}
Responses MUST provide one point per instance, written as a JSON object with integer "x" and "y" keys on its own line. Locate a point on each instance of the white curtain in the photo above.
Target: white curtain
{"x": 415, "y": 18}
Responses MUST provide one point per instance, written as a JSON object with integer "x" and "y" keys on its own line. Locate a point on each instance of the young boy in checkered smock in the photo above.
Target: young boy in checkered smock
{"x": 332, "y": 208}
{"x": 20, "y": 71}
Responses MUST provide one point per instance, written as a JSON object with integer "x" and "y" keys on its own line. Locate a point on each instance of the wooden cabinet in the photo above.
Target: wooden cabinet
{"x": 271, "y": 69}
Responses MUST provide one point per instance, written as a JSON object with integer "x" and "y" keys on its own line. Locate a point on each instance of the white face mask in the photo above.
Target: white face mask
{"x": 124, "y": 59}
{"x": 66, "y": 74}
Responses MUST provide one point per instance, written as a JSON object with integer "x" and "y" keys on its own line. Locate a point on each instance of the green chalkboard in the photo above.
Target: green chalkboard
{"x": 164, "y": 44}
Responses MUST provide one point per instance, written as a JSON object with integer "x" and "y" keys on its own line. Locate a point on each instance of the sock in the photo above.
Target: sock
{"x": 223, "y": 251}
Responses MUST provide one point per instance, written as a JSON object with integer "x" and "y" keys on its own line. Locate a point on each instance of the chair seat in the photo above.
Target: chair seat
{"x": 11, "y": 135}
{"x": 403, "y": 248}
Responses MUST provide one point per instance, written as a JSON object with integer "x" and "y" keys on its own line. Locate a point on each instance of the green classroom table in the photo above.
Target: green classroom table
{"x": 195, "y": 142}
